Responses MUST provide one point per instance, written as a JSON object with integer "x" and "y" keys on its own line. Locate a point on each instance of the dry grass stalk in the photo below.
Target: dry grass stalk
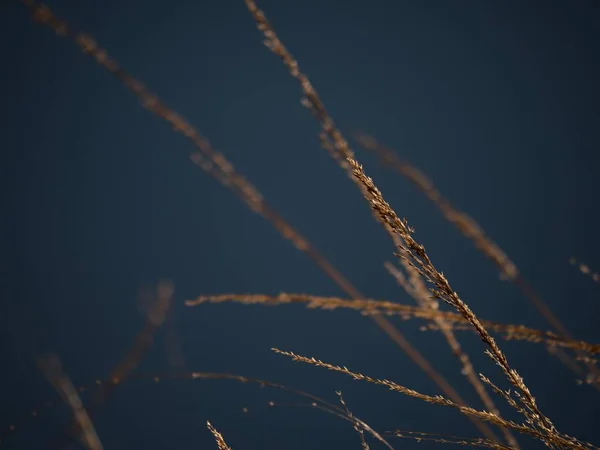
{"x": 422, "y": 296}
{"x": 512, "y": 332}
{"x": 550, "y": 439}
{"x": 406, "y": 312}
{"x": 215, "y": 164}
{"x": 453, "y": 440}
{"x": 472, "y": 231}
{"x": 52, "y": 368}
{"x": 427, "y": 301}
{"x": 221, "y": 444}
{"x": 393, "y": 224}
{"x": 420, "y": 291}
{"x": 357, "y": 428}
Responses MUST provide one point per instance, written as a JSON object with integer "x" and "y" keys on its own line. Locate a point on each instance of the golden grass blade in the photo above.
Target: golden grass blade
{"x": 444, "y": 291}
{"x": 221, "y": 444}
{"x": 469, "y": 228}
{"x": 465, "y": 224}
{"x": 405, "y": 312}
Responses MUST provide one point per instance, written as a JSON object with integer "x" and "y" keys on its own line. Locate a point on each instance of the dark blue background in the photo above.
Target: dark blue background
{"x": 496, "y": 101}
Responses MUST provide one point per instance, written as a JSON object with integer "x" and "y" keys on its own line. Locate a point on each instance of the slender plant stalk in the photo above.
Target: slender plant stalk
{"x": 465, "y": 224}
{"x": 221, "y": 444}
{"x": 368, "y": 306}
{"x": 469, "y": 228}
{"x": 445, "y": 439}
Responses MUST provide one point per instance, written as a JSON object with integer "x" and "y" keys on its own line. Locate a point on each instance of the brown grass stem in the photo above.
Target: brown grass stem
{"x": 405, "y": 312}
{"x": 469, "y": 228}
{"x": 221, "y": 444}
